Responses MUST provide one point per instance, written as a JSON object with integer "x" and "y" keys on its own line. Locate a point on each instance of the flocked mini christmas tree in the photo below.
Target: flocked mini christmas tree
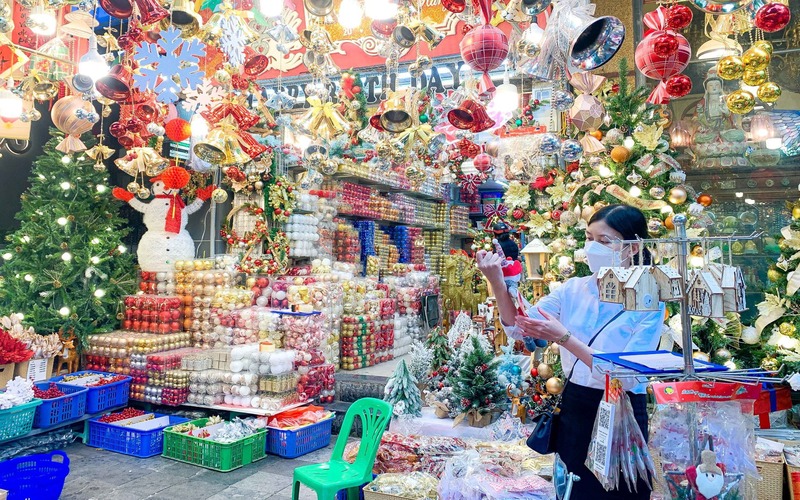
{"x": 440, "y": 350}
{"x": 402, "y": 392}
{"x": 66, "y": 267}
{"x": 476, "y": 391}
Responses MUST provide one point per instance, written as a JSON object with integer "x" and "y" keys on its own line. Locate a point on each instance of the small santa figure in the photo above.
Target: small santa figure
{"x": 708, "y": 478}
{"x": 166, "y": 240}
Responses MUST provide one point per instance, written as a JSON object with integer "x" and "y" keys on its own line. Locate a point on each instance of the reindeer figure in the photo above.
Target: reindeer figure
{"x": 69, "y": 356}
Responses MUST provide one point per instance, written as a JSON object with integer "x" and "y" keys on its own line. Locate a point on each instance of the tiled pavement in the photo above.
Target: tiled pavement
{"x": 102, "y": 475}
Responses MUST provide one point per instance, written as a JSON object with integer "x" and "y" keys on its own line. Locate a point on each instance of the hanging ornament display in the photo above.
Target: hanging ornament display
{"x": 661, "y": 67}
{"x": 485, "y": 47}
{"x": 587, "y": 111}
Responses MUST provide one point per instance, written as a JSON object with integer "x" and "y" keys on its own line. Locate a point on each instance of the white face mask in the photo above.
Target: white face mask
{"x": 599, "y": 255}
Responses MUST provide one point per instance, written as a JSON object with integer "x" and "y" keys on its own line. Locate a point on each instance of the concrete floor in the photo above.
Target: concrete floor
{"x": 102, "y": 475}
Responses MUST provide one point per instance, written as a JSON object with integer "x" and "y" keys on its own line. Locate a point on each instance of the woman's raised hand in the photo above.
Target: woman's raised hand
{"x": 489, "y": 263}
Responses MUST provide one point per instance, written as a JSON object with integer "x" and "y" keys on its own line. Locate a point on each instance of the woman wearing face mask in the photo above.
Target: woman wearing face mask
{"x": 571, "y": 316}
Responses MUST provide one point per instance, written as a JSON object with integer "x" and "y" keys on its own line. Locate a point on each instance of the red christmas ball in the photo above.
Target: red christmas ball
{"x": 482, "y": 163}
{"x": 772, "y": 17}
{"x": 678, "y": 17}
{"x": 679, "y": 85}
{"x": 178, "y": 130}
{"x": 117, "y": 129}
{"x": 657, "y": 67}
{"x": 665, "y": 44}
{"x": 484, "y": 48}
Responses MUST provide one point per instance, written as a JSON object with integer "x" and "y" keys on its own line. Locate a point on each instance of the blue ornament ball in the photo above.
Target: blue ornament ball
{"x": 550, "y": 144}
{"x": 516, "y": 370}
{"x": 571, "y": 150}
{"x": 562, "y": 100}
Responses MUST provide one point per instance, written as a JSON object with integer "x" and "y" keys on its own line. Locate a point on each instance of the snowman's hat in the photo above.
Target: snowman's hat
{"x": 173, "y": 178}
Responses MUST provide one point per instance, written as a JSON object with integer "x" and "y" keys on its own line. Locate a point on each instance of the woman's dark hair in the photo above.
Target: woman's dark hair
{"x": 628, "y": 221}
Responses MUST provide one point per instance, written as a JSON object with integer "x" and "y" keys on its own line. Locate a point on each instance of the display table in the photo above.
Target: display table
{"x": 430, "y": 425}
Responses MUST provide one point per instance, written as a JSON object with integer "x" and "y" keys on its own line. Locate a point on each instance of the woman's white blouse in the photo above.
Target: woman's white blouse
{"x": 576, "y": 304}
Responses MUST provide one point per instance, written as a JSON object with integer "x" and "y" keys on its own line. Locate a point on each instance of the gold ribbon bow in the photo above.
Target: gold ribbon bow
{"x": 409, "y": 136}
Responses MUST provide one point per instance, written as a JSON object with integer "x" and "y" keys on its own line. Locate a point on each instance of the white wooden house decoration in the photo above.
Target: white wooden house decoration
{"x": 731, "y": 280}
{"x": 704, "y": 296}
{"x": 669, "y": 282}
{"x": 641, "y": 290}
{"x": 610, "y": 283}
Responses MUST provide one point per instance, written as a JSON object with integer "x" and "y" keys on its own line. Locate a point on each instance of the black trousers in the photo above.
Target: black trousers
{"x": 576, "y": 420}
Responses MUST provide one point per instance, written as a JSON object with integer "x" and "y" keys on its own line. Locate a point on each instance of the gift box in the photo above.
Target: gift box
{"x": 771, "y": 399}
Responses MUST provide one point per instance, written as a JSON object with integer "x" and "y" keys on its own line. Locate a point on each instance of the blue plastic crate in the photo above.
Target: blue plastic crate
{"x": 137, "y": 443}
{"x": 54, "y": 411}
{"x": 35, "y": 477}
{"x": 294, "y": 443}
{"x": 342, "y": 494}
{"x": 105, "y": 396}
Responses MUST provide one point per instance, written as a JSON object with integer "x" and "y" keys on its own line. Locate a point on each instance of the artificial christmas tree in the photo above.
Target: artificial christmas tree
{"x": 66, "y": 268}
{"x": 402, "y": 392}
{"x": 440, "y": 350}
{"x": 476, "y": 391}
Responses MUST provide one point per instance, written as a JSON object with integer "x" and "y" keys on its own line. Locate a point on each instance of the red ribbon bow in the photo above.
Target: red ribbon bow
{"x": 490, "y": 210}
{"x": 175, "y": 213}
{"x": 470, "y": 182}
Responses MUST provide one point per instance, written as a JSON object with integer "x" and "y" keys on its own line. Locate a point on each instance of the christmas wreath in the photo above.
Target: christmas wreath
{"x": 281, "y": 198}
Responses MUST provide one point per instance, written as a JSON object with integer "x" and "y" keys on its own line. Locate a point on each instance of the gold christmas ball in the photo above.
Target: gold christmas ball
{"x": 796, "y": 212}
{"x": 669, "y": 223}
{"x": 787, "y": 328}
{"x": 554, "y": 385}
{"x": 219, "y": 195}
{"x": 723, "y": 354}
{"x": 545, "y": 371}
{"x": 132, "y": 187}
{"x": 730, "y": 68}
{"x": 750, "y": 336}
{"x": 769, "y": 92}
{"x": 764, "y": 45}
{"x": 620, "y": 154}
{"x": 740, "y": 102}
{"x": 774, "y": 274}
{"x": 699, "y": 355}
{"x": 756, "y": 58}
{"x": 143, "y": 193}
{"x": 769, "y": 364}
{"x": 677, "y": 195}
{"x": 754, "y": 78}
{"x": 553, "y": 349}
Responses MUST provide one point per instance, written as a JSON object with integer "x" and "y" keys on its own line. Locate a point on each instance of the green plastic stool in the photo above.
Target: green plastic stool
{"x": 337, "y": 474}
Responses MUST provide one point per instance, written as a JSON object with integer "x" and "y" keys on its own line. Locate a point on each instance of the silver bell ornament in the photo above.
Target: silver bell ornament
{"x": 143, "y": 193}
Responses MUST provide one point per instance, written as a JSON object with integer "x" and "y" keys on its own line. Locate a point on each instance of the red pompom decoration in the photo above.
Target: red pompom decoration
{"x": 678, "y": 17}
{"x": 174, "y": 178}
{"x": 772, "y": 17}
{"x": 679, "y": 85}
{"x": 665, "y": 44}
{"x": 178, "y": 129}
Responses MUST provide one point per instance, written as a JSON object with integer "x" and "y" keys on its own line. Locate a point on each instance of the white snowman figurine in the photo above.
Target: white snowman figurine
{"x": 166, "y": 239}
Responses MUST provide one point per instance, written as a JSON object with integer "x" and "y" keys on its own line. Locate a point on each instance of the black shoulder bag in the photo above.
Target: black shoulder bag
{"x": 543, "y": 438}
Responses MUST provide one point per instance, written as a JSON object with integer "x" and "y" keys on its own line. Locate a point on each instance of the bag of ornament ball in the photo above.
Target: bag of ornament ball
{"x": 618, "y": 452}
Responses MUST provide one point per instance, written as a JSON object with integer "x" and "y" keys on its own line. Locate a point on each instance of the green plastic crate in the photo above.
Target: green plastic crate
{"x": 17, "y": 421}
{"x": 222, "y": 457}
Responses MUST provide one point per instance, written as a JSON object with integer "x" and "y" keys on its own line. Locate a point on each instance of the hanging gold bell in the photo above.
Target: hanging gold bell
{"x": 39, "y": 88}
{"x": 322, "y": 120}
{"x": 427, "y": 33}
{"x": 319, "y": 8}
{"x": 395, "y": 118}
{"x": 185, "y": 17}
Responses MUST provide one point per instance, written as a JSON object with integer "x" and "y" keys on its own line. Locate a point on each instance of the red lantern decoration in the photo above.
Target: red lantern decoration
{"x": 678, "y": 17}
{"x": 665, "y": 44}
{"x": 678, "y": 85}
{"x": 485, "y": 47}
{"x": 178, "y": 130}
{"x": 772, "y": 17}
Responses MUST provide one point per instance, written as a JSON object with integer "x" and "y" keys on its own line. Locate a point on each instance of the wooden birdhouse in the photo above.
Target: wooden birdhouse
{"x": 704, "y": 296}
{"x": 669, "y": 282}
{"x": 610, "y": 283}
{"x": 731, "y": 280}
{"x": 641, "y": 290}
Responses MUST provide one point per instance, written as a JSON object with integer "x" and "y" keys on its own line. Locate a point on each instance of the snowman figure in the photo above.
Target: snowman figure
{"x": 166, "y": 239}
{"x": 708, "y": 478}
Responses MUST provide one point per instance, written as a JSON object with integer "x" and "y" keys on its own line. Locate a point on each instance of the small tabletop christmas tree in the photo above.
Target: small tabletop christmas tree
{"x": 440, "y": 349}
{"x": 475, "y": 388}
{"x": 402, "y": 392}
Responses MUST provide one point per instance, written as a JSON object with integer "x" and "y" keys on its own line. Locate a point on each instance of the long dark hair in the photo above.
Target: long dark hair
{"x": 628, "y": 221}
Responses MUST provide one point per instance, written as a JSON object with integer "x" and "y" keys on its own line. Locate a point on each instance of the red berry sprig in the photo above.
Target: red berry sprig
{"x": 108, "y": 380}
{"x": 51, "y": 392}
{"x": 122, "y": 415}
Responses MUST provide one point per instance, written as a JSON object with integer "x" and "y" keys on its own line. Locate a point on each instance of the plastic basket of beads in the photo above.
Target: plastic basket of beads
{"x": 292, "y": 443}
{"x": 106, "y": 390}
{"x": 60, "y": 403}
{"x": 278, "y": 384}
{"x": 142, "y": 438}
{"x": 202, "y": 451}
{"x": 17, "y": 420}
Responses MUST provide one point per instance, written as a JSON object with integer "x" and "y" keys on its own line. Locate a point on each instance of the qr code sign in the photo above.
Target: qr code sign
{"x": 603, "y": 438}
{"x": 604, "y": 418}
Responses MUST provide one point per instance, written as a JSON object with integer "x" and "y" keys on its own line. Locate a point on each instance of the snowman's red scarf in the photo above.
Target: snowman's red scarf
{"x": 175, "y": 213}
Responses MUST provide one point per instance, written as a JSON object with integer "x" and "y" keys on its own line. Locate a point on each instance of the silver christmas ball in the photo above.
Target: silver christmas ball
{"x": 219, "y": 195}
{"x": 550, "y": 144}
{"x": 571, "y": 150}
{"x": 562, "y": 100}
{"x": 34, "y": 115}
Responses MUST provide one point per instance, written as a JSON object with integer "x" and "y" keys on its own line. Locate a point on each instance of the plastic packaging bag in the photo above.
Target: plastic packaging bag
{"x": 618, "y": 451}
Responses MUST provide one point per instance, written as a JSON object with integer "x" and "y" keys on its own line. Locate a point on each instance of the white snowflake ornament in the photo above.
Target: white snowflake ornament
{"x": 202, "y": 96}
{"x": 233, "y": 40}
{"x": 180, "y": 59}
